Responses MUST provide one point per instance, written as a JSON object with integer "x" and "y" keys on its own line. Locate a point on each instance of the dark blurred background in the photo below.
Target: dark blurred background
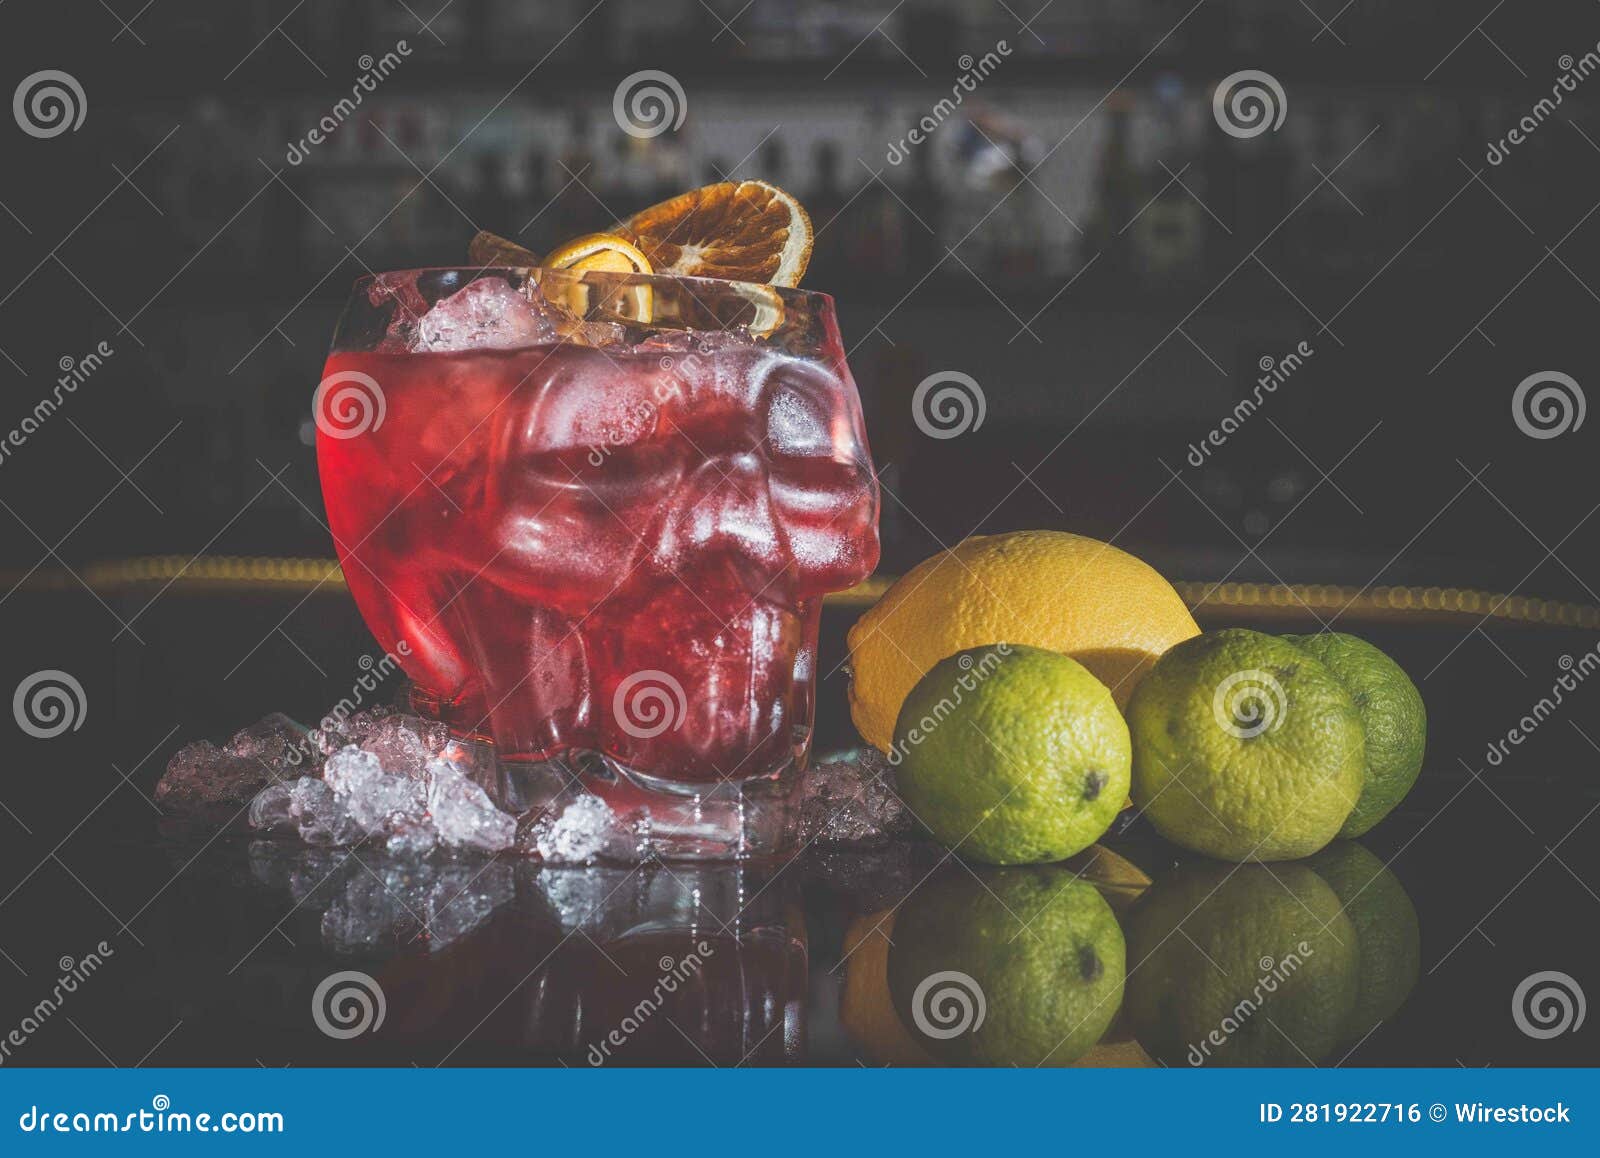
{"x": 1080, "y": 236}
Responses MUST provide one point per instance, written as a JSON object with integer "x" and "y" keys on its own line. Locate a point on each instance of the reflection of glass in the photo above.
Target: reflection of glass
{"x": 603, "y": 530}
{"x": 999, "y": 967}
{"x": 1282, "y": 965}
{"x": 688, "y": 965}
{"x": 513, "y": 964}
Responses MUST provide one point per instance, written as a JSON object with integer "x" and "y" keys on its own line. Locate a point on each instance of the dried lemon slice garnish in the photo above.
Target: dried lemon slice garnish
{"x": 604, "y": 253}
{"x": 768, "y": 308}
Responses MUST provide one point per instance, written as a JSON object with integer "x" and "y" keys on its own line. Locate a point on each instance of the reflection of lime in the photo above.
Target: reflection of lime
{"x": 1386, "y": 931}
{"x": 1240, "y": 966}
{"x": 1392, "y": 713}
{"x": 1245, "y": 747}
{"x": 1020, "y": 967}
{"x": 1012, "y": 754}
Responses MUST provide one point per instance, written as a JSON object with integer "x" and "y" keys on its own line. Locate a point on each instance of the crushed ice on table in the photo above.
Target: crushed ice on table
{"x": 275, "y": 740}
{"x": 386, "y": 777}
{"x": 376, "y": 775}
{"x": 275, "y": 749}
{"x": 202, "y": 775}
{"x": 401, "y": 742}
{"x": 463, "y": 815}
{"x": 385, "y": 902}
{"x": 411, "y": 809}
{"x": 850, "y": 800}
{"x": 585, "y": 831}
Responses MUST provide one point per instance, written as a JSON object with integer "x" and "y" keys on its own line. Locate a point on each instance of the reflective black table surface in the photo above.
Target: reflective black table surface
{"x": 1460, "y": 931}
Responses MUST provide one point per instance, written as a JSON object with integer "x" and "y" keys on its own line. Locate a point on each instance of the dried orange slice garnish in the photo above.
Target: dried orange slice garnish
{"x": 605, "y": 253}
{"x": 742, "y": 231}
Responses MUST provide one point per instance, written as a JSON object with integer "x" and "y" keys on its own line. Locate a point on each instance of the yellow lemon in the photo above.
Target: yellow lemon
{"x": 1108, "y": 610}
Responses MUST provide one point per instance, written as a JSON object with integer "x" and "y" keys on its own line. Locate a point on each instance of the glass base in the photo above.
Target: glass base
{"x": 746, "y": 819}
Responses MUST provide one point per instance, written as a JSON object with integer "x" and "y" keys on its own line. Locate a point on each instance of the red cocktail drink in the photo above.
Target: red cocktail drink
{"x": 590, "y": 537}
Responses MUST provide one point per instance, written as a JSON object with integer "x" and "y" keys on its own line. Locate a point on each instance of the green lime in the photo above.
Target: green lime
{"x": 1391, "y": 711}
{"x": 1245, "y": 747}
{"x": 1240, "y": 965}
{"x": 1018, "y": 966}
{"x": 1012, "y": 754}
{"x": 1386, "y": 931}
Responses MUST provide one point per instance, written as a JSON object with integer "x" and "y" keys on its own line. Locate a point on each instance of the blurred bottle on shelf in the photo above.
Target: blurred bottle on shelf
{"x": 825, "y": 200}
{"x": 1169, "y": 235}
{"x": 925, "y": 203}
{"x": 490, "y": 204}
{"x": 773, "y": 163}
{"x": 533, "y": 191}
{"x": 573, "y": 211}
{"x": 1116, "y": 190}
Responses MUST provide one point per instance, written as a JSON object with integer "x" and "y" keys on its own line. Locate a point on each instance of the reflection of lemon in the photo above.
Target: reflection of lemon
{"x": 1012, "y": 755}
{"x": 865, "y": 1010}
{"x": 1108, "y": 610}
{"x": 1386, "y": 929}
{"x": 1016, "y": 967}
{"x": 1391, "y": 712}
{"x": 1120, "y": 881}
{"x": 867, "y": 1014}
{"x": 1241, "y": 965}
{"x": 1245, "y": 748}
